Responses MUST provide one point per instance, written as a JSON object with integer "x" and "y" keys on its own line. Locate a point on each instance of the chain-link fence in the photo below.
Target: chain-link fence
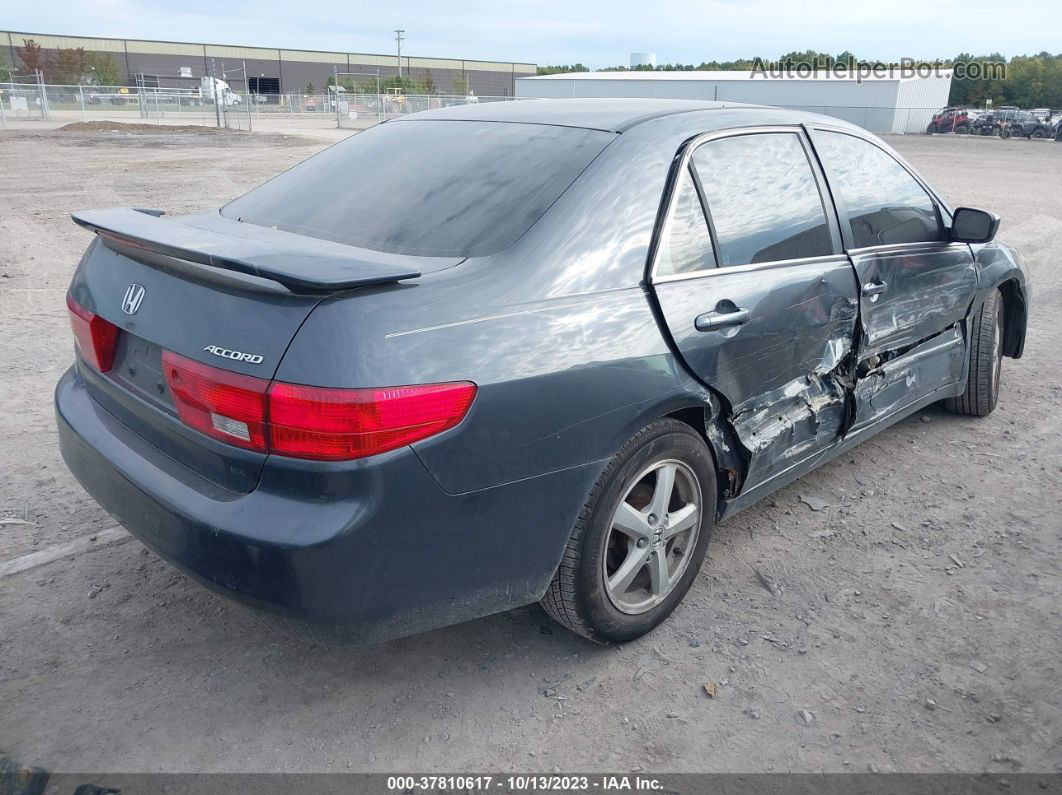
{"x": 30, "y": 99}
{"x": 226, "y": 109}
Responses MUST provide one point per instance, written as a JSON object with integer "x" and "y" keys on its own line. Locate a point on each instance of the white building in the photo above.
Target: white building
{"x": 881, "y": 104}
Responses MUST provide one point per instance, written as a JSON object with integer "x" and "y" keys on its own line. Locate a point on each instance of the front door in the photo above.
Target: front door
{"x": 915, "y": 285}
{"x": 759, "y": 299}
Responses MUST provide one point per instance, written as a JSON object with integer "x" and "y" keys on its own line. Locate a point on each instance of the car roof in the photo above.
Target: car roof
{"x": 609, "y": 114}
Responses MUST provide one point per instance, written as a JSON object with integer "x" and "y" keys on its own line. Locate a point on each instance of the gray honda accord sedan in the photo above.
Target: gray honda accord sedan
{"x": 486, "y": 356}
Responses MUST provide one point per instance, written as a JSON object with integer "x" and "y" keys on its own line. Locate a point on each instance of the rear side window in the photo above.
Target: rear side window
{"x": 427, "y": 188}
{"x": 884, "y": 203}
{"x": 686, "y": 246}
{"x": 763, "y": 199}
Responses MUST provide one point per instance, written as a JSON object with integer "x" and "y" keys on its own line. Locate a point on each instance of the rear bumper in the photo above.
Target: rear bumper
{"x": 368, "y": 549}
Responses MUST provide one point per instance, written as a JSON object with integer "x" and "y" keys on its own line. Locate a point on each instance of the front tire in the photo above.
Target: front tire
{"x": 985, "y": 351}
{"x": 640, "y": 539}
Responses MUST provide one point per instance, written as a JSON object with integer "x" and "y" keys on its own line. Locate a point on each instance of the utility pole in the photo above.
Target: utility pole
{"x": 214, "y": 92}
{"x": 398, "y": 40}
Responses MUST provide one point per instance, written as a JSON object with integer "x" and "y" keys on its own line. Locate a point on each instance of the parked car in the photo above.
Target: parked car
{"x": 534, "y": 351}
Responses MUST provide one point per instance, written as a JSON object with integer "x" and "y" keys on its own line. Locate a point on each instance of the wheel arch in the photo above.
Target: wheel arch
{"x": 728, "y": 455}
{"x": 1015, "y": 318}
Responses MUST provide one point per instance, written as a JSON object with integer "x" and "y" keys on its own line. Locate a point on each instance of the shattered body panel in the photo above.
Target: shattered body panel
{"x": 911, "y": 341}
{"x": 783, "y": 372}
{"x": 835, "y": 349}
{"x": 902, "y": 381}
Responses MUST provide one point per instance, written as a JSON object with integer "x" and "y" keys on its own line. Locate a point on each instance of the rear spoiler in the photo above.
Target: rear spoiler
{"x": 318, "y": 268}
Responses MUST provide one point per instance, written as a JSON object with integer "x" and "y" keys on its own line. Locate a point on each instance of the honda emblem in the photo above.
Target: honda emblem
{"x": 133, "y": 297}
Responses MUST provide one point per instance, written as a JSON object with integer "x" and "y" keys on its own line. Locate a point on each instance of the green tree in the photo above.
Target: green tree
{"x": 459, "y": 85}
{"x": 103, "y": 69}
{"x": 556, "y": 70}
{"x": 309, "y": 89}
{"x": 407, "y": 85}
{"x": 346, "y": 83}
{"x": 5, "y": 72}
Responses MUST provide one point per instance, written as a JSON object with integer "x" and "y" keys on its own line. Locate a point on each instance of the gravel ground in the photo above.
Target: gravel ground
{"x": 915, "y": 624}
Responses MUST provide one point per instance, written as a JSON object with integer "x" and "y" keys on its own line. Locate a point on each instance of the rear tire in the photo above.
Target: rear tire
{"x": 628, "y": 563}
{"x": 961, "y": 130}
{"x": 931, "y": 129}
{"x": 985, "y": 351}
{"x": 1037, "y": 134}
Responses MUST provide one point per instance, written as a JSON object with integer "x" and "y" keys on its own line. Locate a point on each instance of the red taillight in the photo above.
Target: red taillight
{"x": 222, "y": 404}
{"x": 95, "y": 337}
{"x": 339, "y": 424}
{"x": 310, "y": 422}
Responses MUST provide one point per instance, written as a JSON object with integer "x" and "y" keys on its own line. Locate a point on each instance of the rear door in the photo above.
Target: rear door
{"x": 756, "y": 293}
{"x": 915, "y": 285}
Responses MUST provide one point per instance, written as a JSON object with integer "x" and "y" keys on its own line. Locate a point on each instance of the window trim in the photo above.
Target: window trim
{"x": 940, "y": 207}
{"x": 695, "y": 181}
{"x": 751, "y": 267}
{"x": 684, "y": 159}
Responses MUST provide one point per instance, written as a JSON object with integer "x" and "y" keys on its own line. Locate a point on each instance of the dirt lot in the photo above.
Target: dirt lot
{"x": 917, "y": 621}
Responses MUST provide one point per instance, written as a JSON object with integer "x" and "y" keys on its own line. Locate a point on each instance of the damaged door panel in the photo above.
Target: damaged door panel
{"x": 784, "y": 371}
{"x": 758, "y": 298}
{"x": 915, "y": 284}
{"x": 912, "y": 294}
{"x": 908, "y": 377}
{"x": 913, "y": 303}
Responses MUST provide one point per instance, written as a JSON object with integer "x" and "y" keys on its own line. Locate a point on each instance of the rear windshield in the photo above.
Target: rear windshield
{"x": 428, "y": 188}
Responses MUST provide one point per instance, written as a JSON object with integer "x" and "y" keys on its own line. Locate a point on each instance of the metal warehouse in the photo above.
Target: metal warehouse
{"x": 270, "y": 71}
{"x": 886, "y": 104}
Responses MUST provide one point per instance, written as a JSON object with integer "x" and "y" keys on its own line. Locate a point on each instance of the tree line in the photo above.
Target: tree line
{"x": 1031, "y": 81}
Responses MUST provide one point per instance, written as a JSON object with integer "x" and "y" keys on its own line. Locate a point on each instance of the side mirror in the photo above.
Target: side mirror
{"x": 969, "y": 225}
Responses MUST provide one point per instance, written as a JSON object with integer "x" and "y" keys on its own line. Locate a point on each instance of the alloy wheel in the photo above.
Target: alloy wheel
{"x": 652, "y": 536}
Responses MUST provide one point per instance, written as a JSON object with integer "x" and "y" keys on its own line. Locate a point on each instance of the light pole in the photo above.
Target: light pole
{"x": 398, "y": 40}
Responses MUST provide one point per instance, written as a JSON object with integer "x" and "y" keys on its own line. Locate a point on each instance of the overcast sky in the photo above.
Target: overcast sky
{"x": 598, "y": 32}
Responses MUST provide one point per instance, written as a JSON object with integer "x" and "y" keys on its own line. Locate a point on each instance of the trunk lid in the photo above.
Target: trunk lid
{"x": 226, "y": 294}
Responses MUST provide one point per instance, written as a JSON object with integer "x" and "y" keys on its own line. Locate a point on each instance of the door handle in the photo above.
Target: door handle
{"x": 875, "y": 288}
{"x": 711, "y": 321}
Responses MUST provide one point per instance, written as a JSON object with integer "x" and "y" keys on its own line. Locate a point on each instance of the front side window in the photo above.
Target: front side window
{"x": 762, "y": 198}
{"x": 884, "y": 203}
{"x": 686, "y": 246}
